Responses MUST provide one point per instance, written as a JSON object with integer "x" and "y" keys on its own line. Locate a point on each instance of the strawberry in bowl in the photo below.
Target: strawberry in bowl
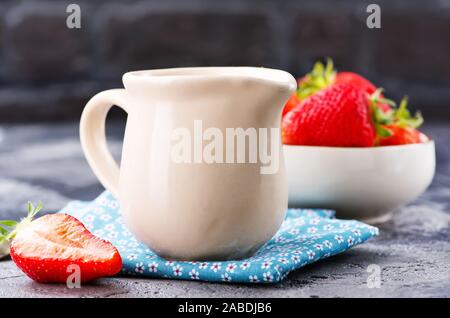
{"x": 350, "y": 149}
{"x": 338, "y": 116}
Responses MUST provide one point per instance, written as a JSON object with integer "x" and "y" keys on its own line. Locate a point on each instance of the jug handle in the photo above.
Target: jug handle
{"x": 93, "y": 137}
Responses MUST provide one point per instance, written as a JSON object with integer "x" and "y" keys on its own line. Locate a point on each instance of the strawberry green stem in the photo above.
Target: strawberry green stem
{"x": 400, "y": 116}
{"x": 10, "y": 228}
{"x": 319, "y": 78}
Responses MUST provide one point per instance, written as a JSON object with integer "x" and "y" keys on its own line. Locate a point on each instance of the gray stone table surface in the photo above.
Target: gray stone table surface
{"x": 45, "y": 162}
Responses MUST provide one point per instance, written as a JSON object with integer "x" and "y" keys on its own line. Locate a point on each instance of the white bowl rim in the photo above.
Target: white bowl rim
{"x": 375, "y": 148}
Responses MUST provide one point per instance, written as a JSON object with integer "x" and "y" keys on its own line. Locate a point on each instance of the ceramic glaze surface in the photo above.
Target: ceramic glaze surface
{"x": 362, "y": 183}
{"x": 195, "y": 210}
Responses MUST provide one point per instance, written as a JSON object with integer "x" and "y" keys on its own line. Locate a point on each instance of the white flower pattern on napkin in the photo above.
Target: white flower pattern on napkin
{"x": 305, "y": 237}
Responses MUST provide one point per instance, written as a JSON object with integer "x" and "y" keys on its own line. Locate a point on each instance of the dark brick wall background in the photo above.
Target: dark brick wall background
{"x": 48, "y": 72}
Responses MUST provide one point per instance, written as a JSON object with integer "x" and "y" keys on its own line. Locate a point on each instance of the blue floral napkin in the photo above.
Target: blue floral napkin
{"x": 304, "y": 237}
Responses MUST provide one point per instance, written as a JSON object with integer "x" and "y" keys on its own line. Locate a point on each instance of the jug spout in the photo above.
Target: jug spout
{"x": 277, "y": 86}
{"x": 281, "y": 81}
{"x": 192, "y": 82}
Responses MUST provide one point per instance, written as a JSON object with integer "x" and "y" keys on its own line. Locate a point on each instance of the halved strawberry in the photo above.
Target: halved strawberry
{"x": 45, "y": 248}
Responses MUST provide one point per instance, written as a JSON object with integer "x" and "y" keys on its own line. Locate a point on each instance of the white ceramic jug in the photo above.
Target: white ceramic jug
{"x": 202, "y": 173}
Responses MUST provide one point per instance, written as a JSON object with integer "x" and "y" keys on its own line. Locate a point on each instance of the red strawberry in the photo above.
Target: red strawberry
{"x": 292, "y": 102}
{"x": 401, "y": 136}
{"x": 355, "y": 79}
{"x": 323, "y": 76}
{"x": 46, "y": 247}
{"x": 362, "y": 83}
{"x": 399, "y": 127}
{"x": 320, "y": 77}
{"x": 337, "y": 116}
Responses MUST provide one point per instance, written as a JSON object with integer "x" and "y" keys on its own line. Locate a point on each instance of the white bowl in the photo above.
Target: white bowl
{"x": 359, "y": 183}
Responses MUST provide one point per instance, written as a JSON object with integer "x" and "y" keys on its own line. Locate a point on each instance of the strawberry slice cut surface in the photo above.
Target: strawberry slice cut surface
{"x": 45, "y": 248}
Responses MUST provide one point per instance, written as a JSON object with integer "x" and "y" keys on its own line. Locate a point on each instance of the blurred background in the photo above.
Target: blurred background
{"x": 48, "y": 71}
